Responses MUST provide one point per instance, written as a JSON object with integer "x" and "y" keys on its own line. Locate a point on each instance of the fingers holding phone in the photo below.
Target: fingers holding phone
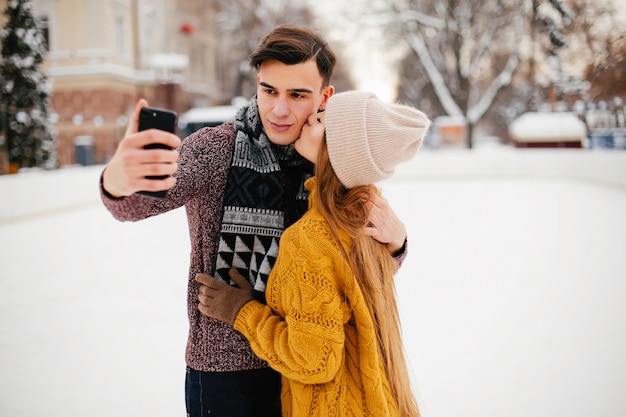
{"x": 138, "y": 162}
{"x": 134, "y": 122}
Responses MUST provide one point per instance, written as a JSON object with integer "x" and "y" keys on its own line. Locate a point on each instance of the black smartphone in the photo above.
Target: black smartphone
{"x": 151, "y": 118}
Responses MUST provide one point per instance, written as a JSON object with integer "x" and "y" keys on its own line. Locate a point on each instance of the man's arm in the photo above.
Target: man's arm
{"x": 126, "y": 172}
{"x": 386, "y": 227}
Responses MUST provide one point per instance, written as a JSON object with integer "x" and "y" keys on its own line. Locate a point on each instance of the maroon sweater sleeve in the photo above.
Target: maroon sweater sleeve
{"x": 193, "y": 177}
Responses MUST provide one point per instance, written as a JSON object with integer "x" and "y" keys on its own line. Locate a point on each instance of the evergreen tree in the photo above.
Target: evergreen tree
{"x": 24, "y": 90}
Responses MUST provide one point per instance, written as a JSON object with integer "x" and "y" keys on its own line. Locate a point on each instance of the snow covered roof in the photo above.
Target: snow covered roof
{"x": 547, "y": 127}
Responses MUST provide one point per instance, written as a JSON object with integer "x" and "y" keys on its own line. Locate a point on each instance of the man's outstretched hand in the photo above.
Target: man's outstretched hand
{"x": 127, "y": 170}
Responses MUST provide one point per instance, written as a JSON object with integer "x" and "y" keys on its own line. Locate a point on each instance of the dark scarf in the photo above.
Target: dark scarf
{"x": 264, "y": 195}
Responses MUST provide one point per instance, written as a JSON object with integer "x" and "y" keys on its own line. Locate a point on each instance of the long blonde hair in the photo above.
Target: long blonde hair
{"x": 374, "y": 269}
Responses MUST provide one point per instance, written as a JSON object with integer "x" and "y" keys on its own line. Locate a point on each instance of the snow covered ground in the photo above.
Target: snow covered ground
{"x": 512, "y": 298}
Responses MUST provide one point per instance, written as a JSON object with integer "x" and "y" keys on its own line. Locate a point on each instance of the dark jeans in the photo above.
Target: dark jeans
{"x": 254, "y": 393}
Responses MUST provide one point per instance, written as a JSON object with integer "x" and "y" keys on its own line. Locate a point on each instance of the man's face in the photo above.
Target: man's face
{"x": 287, "y": 95}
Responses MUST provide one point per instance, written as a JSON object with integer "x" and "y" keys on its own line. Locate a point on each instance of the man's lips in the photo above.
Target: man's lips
{"x": 280, "y": 127}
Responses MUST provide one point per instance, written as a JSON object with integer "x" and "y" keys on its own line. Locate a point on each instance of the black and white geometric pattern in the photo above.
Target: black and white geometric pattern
{"x": 249, "y": 242}
{"x": 264, "y": 194}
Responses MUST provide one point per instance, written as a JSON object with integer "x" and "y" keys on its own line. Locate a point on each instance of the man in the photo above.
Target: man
{"x": 242, "y": 184}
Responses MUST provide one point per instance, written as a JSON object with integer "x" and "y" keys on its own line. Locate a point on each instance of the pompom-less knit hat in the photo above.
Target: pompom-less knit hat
{"x": 367, "y": 138}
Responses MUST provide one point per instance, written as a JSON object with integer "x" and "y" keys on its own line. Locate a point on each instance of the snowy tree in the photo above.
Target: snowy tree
{"x": 550, "y": 19}
{"x": 596, "y": 37}
{"x": 479, "y": 60}
{"x": 24, "y": 90}
{"x": 463, "y": 51}
{"x": 608, "y": 77}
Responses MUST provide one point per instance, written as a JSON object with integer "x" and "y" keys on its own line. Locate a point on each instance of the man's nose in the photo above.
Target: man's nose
{"x": 281, "y": 108}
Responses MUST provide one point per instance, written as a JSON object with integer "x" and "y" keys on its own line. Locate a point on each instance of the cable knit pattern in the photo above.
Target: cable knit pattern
{"x": 205, "y": 156}
{"x": 316, "y": 329}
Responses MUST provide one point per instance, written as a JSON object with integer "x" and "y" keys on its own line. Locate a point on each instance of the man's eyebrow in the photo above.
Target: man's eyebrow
{"x": 291, "y": 90}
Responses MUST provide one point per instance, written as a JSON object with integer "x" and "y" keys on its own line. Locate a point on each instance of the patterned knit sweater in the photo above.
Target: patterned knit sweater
{"x": 316, "y": 329}
{"x": 205, "y": 158}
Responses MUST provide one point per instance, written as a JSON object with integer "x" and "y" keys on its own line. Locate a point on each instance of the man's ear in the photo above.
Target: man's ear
{"x": 327, "y": 92}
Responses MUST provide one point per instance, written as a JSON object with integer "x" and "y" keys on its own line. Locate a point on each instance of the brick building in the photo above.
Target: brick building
{"x": 103, "y": 55}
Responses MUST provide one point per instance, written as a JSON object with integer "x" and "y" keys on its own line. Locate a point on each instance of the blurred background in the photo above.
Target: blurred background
{"x": 512, "y": 296}
{"x": 72, "y": 70}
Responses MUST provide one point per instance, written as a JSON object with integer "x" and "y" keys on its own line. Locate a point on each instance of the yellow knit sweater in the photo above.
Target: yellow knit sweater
{"x": 316, "y": 329}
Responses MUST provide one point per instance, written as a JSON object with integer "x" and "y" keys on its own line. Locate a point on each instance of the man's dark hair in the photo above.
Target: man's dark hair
{"x": 293, "y": 45}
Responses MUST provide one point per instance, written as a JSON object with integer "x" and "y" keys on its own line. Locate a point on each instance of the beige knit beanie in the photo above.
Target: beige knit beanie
{"x": 367, "y": 138}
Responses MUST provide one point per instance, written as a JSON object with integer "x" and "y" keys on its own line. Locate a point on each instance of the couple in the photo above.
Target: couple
{"x": 325, "y": 317}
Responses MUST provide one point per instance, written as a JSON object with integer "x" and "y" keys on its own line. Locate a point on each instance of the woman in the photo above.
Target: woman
{"x": 331, "y": 325}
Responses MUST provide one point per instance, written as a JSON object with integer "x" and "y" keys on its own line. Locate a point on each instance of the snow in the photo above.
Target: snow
{"x": 511, "y": 298}
{"x": 554, "y": 126}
